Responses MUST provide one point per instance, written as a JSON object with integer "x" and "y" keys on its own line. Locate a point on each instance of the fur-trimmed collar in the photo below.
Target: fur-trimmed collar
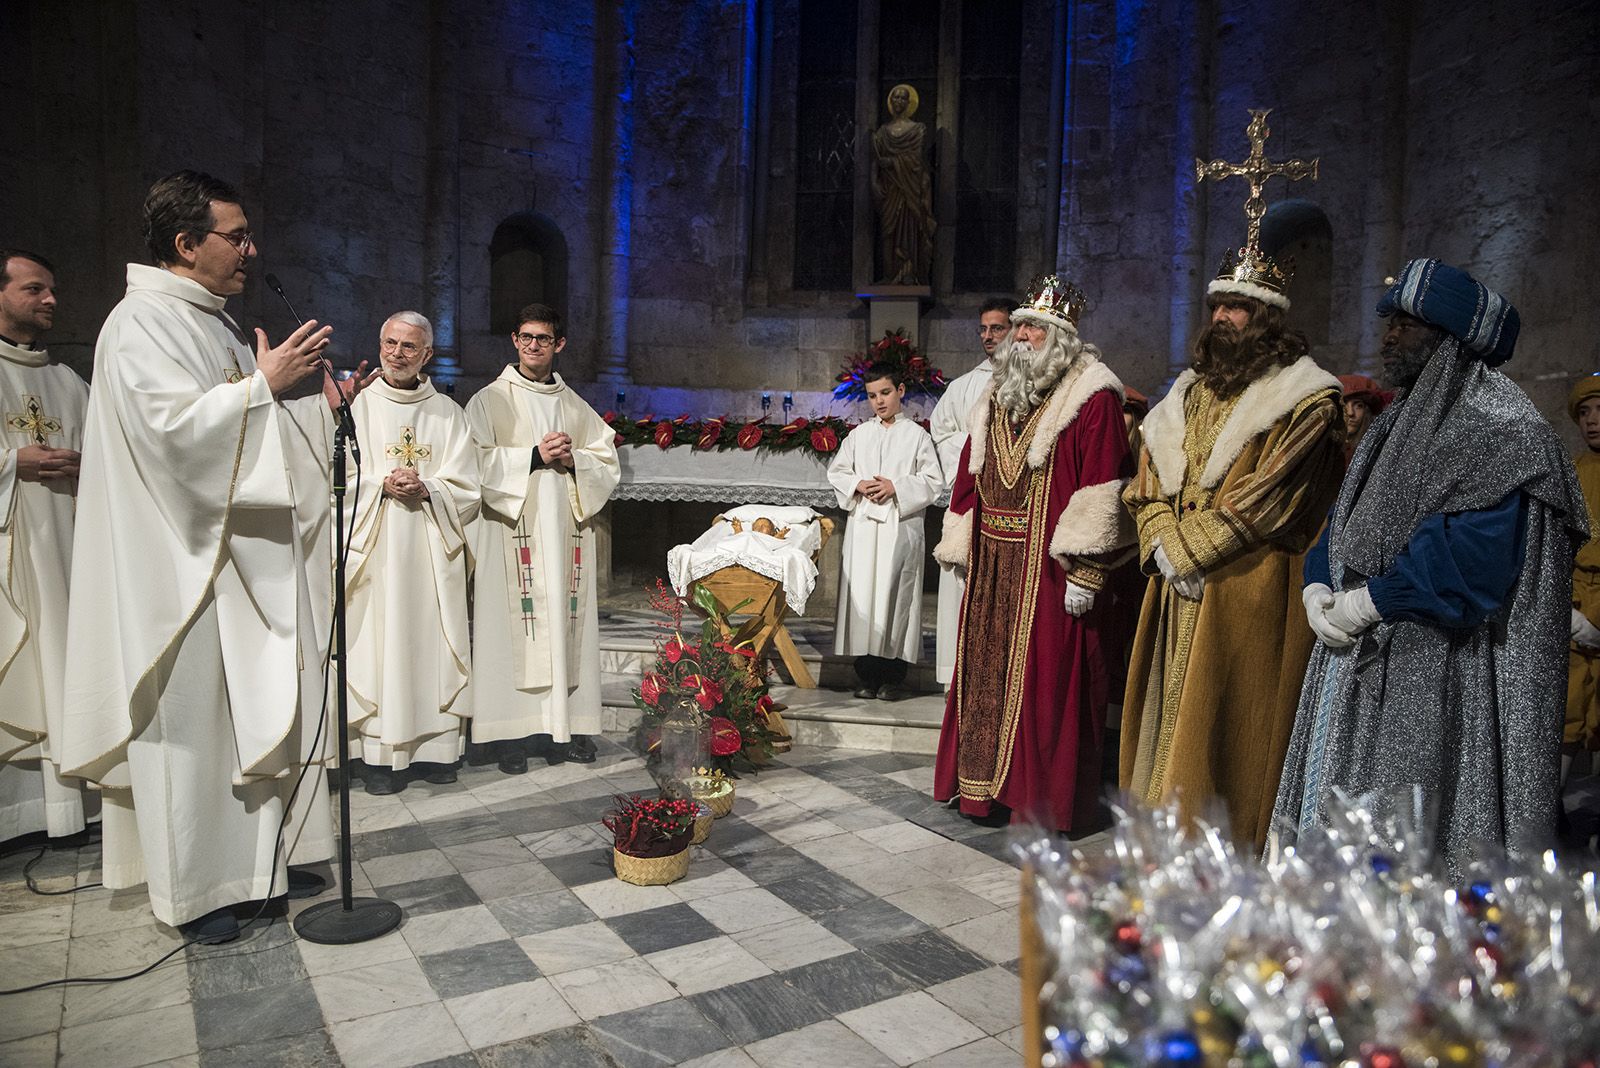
{"x": 1265, "y": 401}
{"x": 1088, "y": 377}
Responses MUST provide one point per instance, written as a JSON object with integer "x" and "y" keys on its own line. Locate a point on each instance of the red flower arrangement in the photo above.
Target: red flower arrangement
{"x": 920, "y": 376}
{"x": 650, "y": 826}
{"x": 725, "y": 681}
{"x": 720, "y": 434}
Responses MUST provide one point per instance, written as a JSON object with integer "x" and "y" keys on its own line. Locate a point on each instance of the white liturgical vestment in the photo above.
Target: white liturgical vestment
{"x": 406, "y": 578}
{"x": 41, "y": 404}
{"x": 880, "y": 589}
{"x": 536, "y": 632}
{"x": 950, "y": 426}
{"x": 202, "y": 590}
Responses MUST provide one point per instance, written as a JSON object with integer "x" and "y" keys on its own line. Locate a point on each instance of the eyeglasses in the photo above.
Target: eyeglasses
{"x": 240, "y": 241}
{"x": 995, "y": 331}
{"x": 524, "y": 341}
{"x": 409, "y": 348}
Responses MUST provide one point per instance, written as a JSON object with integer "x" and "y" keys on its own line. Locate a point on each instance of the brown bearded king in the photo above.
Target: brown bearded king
{"x": 1035, "y": 519}
{"x": 1240, "y": 464}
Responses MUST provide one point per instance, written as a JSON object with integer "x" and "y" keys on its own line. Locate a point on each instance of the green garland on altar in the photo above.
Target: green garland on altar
{"x": 818, "y": 437}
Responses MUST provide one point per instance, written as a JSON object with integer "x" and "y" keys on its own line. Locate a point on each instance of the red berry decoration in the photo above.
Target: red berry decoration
{"x": 1127, "y": 937}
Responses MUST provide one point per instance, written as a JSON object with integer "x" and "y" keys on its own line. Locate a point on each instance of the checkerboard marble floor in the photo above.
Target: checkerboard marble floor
{"x": 838, "y": 916}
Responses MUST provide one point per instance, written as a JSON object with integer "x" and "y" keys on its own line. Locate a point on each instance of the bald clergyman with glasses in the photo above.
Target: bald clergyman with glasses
{"x": 548, "y": 464}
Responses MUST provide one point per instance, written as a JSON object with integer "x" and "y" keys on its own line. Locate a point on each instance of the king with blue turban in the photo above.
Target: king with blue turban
{"x": 1439, "y": 592}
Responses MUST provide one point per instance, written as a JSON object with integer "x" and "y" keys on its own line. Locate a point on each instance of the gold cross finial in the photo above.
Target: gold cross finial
{"x": 32, "y": 420}
{"x": 406, "y": 450}
{"x": 1256, "y": 169}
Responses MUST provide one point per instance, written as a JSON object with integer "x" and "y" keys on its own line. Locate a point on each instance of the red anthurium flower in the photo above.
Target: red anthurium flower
{"x": 725, "y": 737}
{"x": 709, "y": 693}
{"x": 664, "y": 433}
{"x": 710, "y": 434}
{"x": 650, "y": 688}
{"x": 796, "y": 426}
{"x": 673, "y": 651}
{"x": 682, "y": 419}
{"x": 749, "y": 436}
{"x": 824, "y": 439}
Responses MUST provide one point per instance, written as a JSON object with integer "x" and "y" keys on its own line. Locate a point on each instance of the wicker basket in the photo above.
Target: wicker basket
{"x": 651, "y": 871}
{"x": 717, "y": 796}
{"x": 703, "y": 819}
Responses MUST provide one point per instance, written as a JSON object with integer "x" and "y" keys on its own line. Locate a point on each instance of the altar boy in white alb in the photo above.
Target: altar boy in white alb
{"x": 41, "y": 430}
{"x": 548, "y": 464}
{"x": 885, "y": 475}
{"x": 406, "y": 581}
{"x": 201, "y": 580}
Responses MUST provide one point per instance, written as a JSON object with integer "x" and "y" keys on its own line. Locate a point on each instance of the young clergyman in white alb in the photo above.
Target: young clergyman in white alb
{"x": 410, "y": 557}
{"x": 950, "y": 425}
{"x": 885, "y": 475}
{"x": 41, "y": 429}
{"x": 548, "y": 464}
{"x": 201, "y": 579}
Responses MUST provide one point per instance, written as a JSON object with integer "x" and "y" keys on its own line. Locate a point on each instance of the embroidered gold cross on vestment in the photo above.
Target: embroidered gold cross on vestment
{"x": 32, "y": 420}
{"x": 406, "y": 450}
{"x": 1256, "y": 169}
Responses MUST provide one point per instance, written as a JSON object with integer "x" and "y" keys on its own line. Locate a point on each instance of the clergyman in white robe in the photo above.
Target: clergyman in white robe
{"x": 950, "y": 425}
{"x": 406, "y": 579}
{"x": 880, "y": 589}
{"x": 536, "y": 629}
{"x": 41, "y": 404}
{"x": 199, "y": 620}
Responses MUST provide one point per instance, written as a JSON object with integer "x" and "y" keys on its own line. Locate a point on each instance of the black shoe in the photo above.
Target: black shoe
{"x": 304, "y": 883}
{"x": 480, "y": 754}
{"x": 557, "y": 753}
{"x": 513, "y": 762}
{"x": 381, "y": 782}
{"x": 438, "y": 774}
{"x": 581, "y": 749}
{"x": 894, "y": 692}
{"x": 212, "y": 929}
{"x": 867, "y": 693}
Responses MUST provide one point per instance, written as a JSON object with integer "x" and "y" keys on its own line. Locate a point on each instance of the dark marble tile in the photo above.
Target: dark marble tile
{"x": 527, "y": 914}
{"x": 395, "y": 840}
{"x": 584, "y": 790}
{"x": 848, "y": 982}
{"x": 760, "y": 1008}
{"x": 265, "y": 956}
{"x": 256, "y": 1015}
{"x": 928, "y": 958}
{"x": 653, "y": 930}
{"x": 996, "y": 844}
{"x": 479, "y": 827}
{"x": 570, "y": 1047}
{"x": 887, "y": 763}
{"x": 835, "y": 770}
{"x": 871, "y": 922}
{"x": 773, "y": 865}
{"x": 531, "y": 819}
{"x": 733, "y": 836}
{"x": 472, "y": 969}
{"x": 669, "y": 1033}
{"x": 460, "y": 1060}
{"x": 581, "y": 869}
{"x": 1013, "y": 966}
{"x": 909, "y": 805}
{"x": 439, "y": 894}
{"x": 310, "y": 1050}
{"x": 818, "y": 893}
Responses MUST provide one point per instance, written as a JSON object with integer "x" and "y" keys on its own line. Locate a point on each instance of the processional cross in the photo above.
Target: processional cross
{"x": 1256, "y": 169}
{"x": 406, "y": 450}
{"x": 32, "y": 420}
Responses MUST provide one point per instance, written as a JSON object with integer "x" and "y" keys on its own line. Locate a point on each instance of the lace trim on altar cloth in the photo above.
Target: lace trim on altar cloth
{"x": 798, "y": 577}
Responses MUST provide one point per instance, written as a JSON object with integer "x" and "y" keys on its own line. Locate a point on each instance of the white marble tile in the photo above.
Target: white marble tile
{"x": 867, "y": 737}
{"x": 732, "y": 1057}
{"x": 407, "y": 867}
{"x": 841, "y": 851}
{"x": 506, "y": 788}
{"x": 139, "y": 1039}
{"x": 952, "y": 860}
{"x": 814, "y": 794}
{"x": 919, "y": 740}
{"x": 988, "y": 1053}
{"x": 991, "y": 999}
{"x": 888, "y": 875}
{"x": 806, "y": 830}
{"x": 615, "y": 987}
{"x": 1002, "y": 886}
{"x": 901, "y": 837}
{"x": 940, "y": 904}
{"x": 36, "y": 1052}
{"x": 563, "y": 840}
{"x": 566, "y": 949}
{"x": 115, "y": 952}
{"x": 33, "y": 926}
{"x": 708, "y": 879}
{"x": 825, "y": 1043}
{"x": 326, "y": 960}
{"x": 995, "y": 936}
{"x": 1013, "y": 1038}
{"x": 706, "y": 965}
{"x": 34, "y": 1013}
{"x": 513, "y": 880}
{"x": 453, "y": 805}
{"x": 440, "y": 931}
{"x": 397, "y": 1039}
{"x": 168, "y": 985}
{"x": 919, "y": 779}
{"x": 510, "y": 1012}
{"x": 371, "y": 991}
{"x": 744, "y": 910}
{"x": 379, "y": 819}
{"x": 491, "y": 853}
{"x": 789, "y": 945}
{"x": 911, "y": 1027}
{"x": 613, "y": 897}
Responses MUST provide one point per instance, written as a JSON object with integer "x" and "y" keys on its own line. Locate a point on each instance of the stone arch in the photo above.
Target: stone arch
{"x": 527, "y": 263}
{"x": 1301, "y": 231}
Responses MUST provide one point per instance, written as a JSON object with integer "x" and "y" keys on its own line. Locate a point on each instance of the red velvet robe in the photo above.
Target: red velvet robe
{"x": 1025, "y": 716}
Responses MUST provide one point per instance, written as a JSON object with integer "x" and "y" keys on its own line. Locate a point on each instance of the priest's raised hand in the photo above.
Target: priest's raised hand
{"x": 299, "y": 355}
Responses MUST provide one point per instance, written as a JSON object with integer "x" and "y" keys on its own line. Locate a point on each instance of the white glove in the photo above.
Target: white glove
{"x": 1189, "y": 586}
{"x": 1352, "y": 611}
{"x": 1318, "y": 598}
{"x": 1078, "y": 600}
{"x": 1584, "y": 633}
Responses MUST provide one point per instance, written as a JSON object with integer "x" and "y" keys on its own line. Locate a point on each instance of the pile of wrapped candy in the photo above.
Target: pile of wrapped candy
{"x": 1357, "y": 949}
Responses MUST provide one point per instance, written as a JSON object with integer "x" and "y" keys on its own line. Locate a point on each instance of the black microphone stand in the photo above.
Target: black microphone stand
{"x": 350, "y": 919}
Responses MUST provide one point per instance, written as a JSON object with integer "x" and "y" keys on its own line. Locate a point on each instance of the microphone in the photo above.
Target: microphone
{"x": 346, "y": 417}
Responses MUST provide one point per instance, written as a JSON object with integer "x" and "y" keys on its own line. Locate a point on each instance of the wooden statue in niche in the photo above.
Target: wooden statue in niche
{"x": 902, "y": 193}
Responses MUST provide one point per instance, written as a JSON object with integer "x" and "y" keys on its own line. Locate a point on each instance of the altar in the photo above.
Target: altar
{"x": 728, "y": 477}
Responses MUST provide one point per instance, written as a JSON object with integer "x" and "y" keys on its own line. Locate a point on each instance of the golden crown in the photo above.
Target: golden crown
{"x": 1249, "y": 272}
{"x": 1053, "y": 298}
